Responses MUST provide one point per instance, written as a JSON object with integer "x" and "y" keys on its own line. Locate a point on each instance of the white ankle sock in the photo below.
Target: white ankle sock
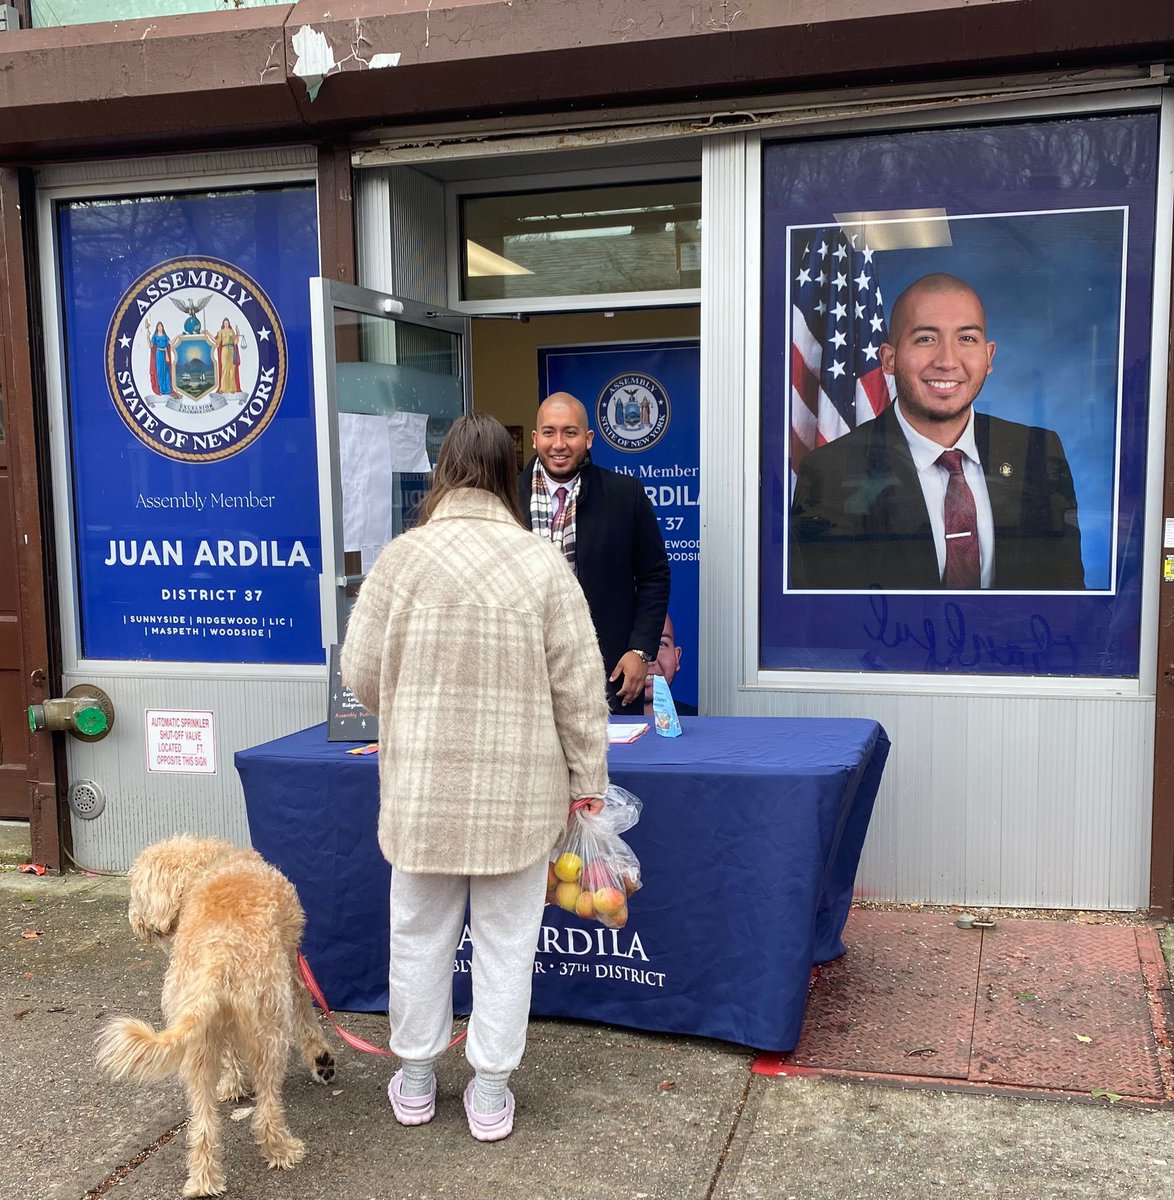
{"x": 417, "y": 1078}
{"x": 489, "y": 1095}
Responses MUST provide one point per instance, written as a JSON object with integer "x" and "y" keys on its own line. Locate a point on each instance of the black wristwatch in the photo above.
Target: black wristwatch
{"x": 643, "y": 654}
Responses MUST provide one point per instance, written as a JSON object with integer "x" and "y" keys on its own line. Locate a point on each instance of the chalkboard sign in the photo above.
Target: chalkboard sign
{"x": 347, "y": 720}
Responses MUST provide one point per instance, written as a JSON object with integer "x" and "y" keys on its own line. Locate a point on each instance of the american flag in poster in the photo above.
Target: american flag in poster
{"x": 837, "y": 328}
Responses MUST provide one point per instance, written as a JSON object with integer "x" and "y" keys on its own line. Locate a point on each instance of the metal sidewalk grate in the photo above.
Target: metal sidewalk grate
{"x": 1048, "y": 1006}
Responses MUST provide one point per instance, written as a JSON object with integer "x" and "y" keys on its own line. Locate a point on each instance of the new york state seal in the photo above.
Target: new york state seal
{"x": 632, "y": 411}
{"x": 196, "y": 359}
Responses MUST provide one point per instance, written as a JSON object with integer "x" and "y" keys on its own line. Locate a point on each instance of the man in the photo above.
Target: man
{"x": 666, "y": 664}
{"x": 931, "y": 494}
{"x": 606, "y": 527}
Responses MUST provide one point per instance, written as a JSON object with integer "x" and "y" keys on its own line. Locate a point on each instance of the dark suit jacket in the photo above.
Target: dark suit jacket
{"x": 620, "y": 560}
{"x": 858, "y": 518}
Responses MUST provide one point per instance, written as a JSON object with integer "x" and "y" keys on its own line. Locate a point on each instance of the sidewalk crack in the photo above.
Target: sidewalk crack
{"x": 120, "y": 1173}
{"x": 719, "y": 1166}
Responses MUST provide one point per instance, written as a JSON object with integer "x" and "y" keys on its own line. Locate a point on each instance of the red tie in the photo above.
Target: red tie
{"x": 560, "y": 497}
{"x": 962, "y": 553}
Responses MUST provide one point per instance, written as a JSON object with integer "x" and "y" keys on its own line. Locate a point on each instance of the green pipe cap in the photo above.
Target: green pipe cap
{"x": 90, "y": 720}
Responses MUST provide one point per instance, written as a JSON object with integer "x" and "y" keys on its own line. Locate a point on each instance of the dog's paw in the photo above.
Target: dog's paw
{"x": 324, "y": 1067}
{"x": 209, "y": 1182}
{"x": 281, "y": 1154}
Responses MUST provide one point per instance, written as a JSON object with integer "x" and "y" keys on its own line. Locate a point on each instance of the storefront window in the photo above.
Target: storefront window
{"x": 586, "y": 241}
{"x": 186, "y": 350}
{"x": 48, "y": 14}
{"x": 930, "y": 505}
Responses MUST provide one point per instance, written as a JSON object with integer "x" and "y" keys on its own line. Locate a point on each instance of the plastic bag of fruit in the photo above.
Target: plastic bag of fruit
{"x": 592, "y": 870}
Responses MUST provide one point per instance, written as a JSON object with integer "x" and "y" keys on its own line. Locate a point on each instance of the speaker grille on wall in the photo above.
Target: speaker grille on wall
{"x": 86, "y": 799}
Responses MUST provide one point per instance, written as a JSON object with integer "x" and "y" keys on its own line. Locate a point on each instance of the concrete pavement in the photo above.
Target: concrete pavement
{"x": 603, "y": 1113}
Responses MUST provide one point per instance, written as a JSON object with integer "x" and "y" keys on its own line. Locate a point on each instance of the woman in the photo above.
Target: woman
{"x": 228, "y": 359}
{"x": 472, "y": 640}
{"x": 161, "y": 361}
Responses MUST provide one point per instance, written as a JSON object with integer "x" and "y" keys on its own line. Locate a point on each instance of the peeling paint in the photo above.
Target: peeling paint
{"x": 270, "y": 65}
{"x": 715, "y": 24}
{"x": 316, "y": 57}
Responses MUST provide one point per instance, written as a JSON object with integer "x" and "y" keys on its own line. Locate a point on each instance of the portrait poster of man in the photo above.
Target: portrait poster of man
{"x": 955, "y": 387}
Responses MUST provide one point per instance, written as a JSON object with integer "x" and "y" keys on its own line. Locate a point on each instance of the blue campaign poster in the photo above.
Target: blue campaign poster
{"x": 643, "y": 402}
{"x": 1057, "y": 260}
{"x": 187, "y": 346}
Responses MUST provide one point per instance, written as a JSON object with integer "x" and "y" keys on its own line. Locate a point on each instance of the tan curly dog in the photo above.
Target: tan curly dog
{"x": 233, "y": 1002}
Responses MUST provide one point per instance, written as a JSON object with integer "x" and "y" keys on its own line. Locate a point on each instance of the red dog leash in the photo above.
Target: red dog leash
{"x": 355, "y": 1043}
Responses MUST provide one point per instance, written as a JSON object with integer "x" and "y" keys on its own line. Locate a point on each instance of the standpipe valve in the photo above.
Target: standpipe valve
{"x": 84, "y": 711}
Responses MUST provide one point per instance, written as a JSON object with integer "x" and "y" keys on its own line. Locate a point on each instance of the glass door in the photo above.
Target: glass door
{"x": 390, "y": 378}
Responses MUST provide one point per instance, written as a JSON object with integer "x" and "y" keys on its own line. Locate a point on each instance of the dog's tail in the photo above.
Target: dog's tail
{"x": 131, "y": 1049}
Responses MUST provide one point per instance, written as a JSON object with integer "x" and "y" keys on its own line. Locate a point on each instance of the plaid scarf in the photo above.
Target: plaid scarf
{"x": 562, "y": 531}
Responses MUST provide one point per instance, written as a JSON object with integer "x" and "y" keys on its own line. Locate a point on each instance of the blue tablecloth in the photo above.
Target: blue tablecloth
{"x": 748, "y": 843}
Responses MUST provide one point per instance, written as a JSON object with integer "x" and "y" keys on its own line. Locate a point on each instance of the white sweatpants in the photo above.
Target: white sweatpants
{"x": 427, "y": 920}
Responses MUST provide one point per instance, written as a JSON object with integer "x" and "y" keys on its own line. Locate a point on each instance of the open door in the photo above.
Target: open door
{"x": 390, "y": 378}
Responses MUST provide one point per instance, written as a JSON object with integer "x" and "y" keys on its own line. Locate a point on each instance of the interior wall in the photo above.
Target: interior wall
{"x": 505, "y": 352}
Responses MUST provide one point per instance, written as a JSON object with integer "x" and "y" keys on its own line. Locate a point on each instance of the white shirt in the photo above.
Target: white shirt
{"x": 933, "y": 479}
{"x": 552, "y": 486}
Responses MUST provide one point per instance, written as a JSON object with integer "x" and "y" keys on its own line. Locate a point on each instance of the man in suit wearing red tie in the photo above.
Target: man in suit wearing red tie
{"x": 607, "y": 530}
{"x": 932, "y": 494}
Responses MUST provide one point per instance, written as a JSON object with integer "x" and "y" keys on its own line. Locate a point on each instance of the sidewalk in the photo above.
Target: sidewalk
{"x": 603, "y": 1113}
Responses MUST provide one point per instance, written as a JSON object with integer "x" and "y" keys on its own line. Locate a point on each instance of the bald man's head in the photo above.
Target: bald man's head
{"x": 927, "y": 287}
{"x": 939, "y": 355}
{"x": 562, "y": 402}
{"x": 561, "y": 438}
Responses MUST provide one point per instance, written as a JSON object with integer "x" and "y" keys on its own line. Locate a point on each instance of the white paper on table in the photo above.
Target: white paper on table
{"x": 625, "y": 732}
{"x": 364, "y": 454}
{"x": 407, "y": 432}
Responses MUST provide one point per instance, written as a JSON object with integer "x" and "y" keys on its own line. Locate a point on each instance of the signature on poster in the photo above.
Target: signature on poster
{"x": 949, "y": 643}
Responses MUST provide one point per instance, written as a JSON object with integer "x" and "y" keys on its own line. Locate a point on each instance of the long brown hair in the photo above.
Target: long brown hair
{"x": 478, "y": 452}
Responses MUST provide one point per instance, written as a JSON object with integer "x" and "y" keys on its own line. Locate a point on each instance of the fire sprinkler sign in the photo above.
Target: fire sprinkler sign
{"x": 182, "y": 741}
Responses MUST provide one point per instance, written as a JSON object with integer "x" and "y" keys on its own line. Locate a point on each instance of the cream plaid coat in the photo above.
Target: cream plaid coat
{"x": 472, "y": 641}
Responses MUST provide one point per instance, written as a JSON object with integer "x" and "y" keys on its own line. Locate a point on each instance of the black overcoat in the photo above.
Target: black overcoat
{"x": 620, "y": 560}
